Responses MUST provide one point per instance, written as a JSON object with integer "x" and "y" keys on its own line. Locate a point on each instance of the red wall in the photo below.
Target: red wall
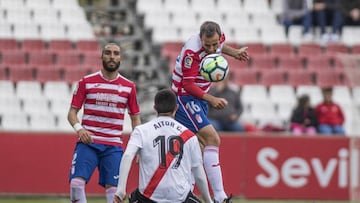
{"x": 280, "y": 167}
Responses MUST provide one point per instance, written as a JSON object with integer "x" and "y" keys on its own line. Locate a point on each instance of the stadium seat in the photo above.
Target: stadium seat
{"x": 38, "y": 4}
{"x": 171, "y": 48}
{"x": 45, "y": 15}
{"x": 295, "y": 36}
{"x": 92, "y": 60}
{"x": 256, "y": 6}
{"x": 206, "y": 16}
{"x": 264, "y": 19}
{"x": 33, "y": 45}
{"x": 28, "y": 89}
{"x": 10, "y": 105}
{"x": 289, "y": 62}
{"x": 313, "y": 91}
{"x": 21, "y": 73}
{"x": 62, "y": 124}
{"x": 24, "y": 31}
{"x": 244, "y": 76}
{"x": 327, "y": 78}
{"x": 15, "y": 122}
{"x": 65, "y": 4}
{"x": 60, "y": 45}
{"x": 236, "y": 64}
{"x": 253, "y": 94}
{"x": 356, "y": 95}
{"x": 18, "y": 15}
{"x": 48, "y": 74}
{"x": 282, "y": 95}
{"x": 265, "y": 114}
{"x": 306, "y": 50}
{"x": 144, "y": 6}
{"x": 12, "y": 4}
{"x": 166, "y": 33}
{"x": 42, "y": 122}
{"x": 342, "y": 95}
{"x": 314, "y": 63}
{"x": 299, "y": 77}
{"x": 247, "y": 34}
{"x": 72, "y": 16}
{"x": 83, "y": 46}
{"x": 336, "y": 48}
{"x": 3, "y": 73}
{"x": 43, "y": 58}
{"x": 7, "y": 89}
{"x": 269, "y": 77}
{"x": 255, "y": 48}
{"x": 277, "y": 35}
{"x": 35, "y": 105}
{"x": 229, "y": 6}
{"x": 282, "y": 49}
{"x": 54, "y": 90}
{"x": 356, "y": 49}
{"x": 263, "y": 62}
{"x": 6, "y": 30}
{"x": 53, "y": 32}
{"x": 11, "y": 58}
{"x": 349, "y": 35}
{"x": 74, "y": 74}
{"x": 8, "y": 44}
{"x": 67, "y": 59}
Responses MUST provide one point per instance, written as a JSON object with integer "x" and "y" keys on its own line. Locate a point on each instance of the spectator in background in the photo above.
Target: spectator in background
{"x": 226, "y": 119}
{"x": 325, "y": 11}
{"x": 350, "y": 10}
{"x": 303, "y": 119}
{"x": 297, "y": 12}
{"x": 329, "y": 114}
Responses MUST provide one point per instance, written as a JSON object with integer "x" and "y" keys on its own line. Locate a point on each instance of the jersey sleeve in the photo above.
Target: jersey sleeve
{"x": 78, "y": 95}
{"x": 190, "y": 64}
{"x": 133, "y": 105}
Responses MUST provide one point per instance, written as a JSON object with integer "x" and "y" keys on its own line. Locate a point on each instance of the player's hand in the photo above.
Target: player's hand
{"x": 85, "y": 136}
{"x": 242, "y": 54}
{"x": 219, "y": 103}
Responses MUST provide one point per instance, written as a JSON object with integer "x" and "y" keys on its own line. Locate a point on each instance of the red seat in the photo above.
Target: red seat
{"x": 290, "y": 62}
{"x": 327, "y": 78}
{"x": 48, "y": 74}
{"x": 88, "y": 46}
{"x": 75, "y": 74}
{"x": 32, "y": 45}
{"x": 3, "y": 73}
{"x": 318, "y": 62}
{"x": 255, "y": 48}
{"x": 234, "y": 63}
{"x": 355, "y": 49}
{"x": 171, "y": 48}
{"x": 92, "y": 60}
{"x": 11, "y": 58}
{"x": 299, "y": 77}
{"x": 8, "y": 45}
{"x": 262, "y": 62}
{"x": 335, "y": 48}
{"x": 60, "y": 45}
{"x": 244, "y": 76}
{"x": 272, "y": 77}
{"x": 67, "y": 60}
{"x": 282, "y": 49}
{"x": 306, "y": 50}
{"x": 21, "y": 72}
{"x": 42, "y": 58}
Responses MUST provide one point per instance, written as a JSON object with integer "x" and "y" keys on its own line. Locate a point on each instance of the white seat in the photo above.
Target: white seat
{"x": 62, "y": 123}
{"x": 71, "y": 16}
{"x": 32, "y": 106}
{"x": 38, "y": 4}
{"x": 277, "y": 35}
{"x": 144, "y": 6}
{"x": 54, "y": 90}
{"x": 254, "y": 94}
{"x": 7, "y": 89}
{"x": 42, "y": 122}
{"x": 18, "y": 15}
{"x": 247, "y": 34}
{"x": 65, "y": 4}
{"x": 76, "y": 32}
{"x": 46, "y": 16}
{"x": 256, "y": 6}
{"x": 264, "y": 19}
{"x": 26, "y": 31}
{"x": 229, "y": 6}
{"x": 237, "y": 19}
{"x": 284, "y": 111}
{"x": 276, "y": 6}
{"x": 282, "y": 94}
{"x": 52, "y": 31}
{"x": 185, "y": 33}
{"x": 342, "y": 95}
{"x": 60, "y": 106}
{"x": 314, "y": 92}
{"x": 264, "y": 113}
{"x": 203, "y": 6}
{"x": 350, "y": 35}
{"x": 10, "y": 105}
{"x": 216, "y": 17}
{"x": 156, "y": 18}
{"x": 356, "y": 95}
{"x": 6, "y": 4}
{"x": 6, "y": 30}
{"x": 28, "y": 90}
{"x": 177, "y": 6}
{"x": 190, "y": 20}
{"x": 15, "y": 122}
{"x": 295, "y": 36}
{"x": 166, "y": 33}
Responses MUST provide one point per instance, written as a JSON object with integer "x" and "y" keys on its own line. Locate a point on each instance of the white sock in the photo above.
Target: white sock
{"x": 77, "y": 190}
{"x": 213, "y": 172}
{"x": 110, "y": 192}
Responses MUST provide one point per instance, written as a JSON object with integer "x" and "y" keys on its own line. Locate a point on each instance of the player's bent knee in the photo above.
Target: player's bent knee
{"x": 77, "y": 182}
{"x": 77, "y": 190}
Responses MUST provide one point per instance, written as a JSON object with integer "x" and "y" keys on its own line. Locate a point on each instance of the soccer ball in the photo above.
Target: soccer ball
{"x": 214, "y": 68}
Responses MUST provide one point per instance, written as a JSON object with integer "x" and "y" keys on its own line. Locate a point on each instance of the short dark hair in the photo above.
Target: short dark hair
{"x": 209, "y": 28}
{"x": 165, "y": 101}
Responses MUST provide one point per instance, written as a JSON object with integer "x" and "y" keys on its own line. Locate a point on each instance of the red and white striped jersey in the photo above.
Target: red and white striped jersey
{"x": 168, "y": 151}
{"x": 105, "y": 103}
{"x": 187, "y": 65}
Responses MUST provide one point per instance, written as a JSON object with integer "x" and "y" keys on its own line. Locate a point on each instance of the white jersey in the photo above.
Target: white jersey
{"x": 168, "y": 151}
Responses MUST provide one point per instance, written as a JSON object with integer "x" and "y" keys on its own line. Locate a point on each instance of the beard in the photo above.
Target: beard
{"x": 111, "y": 68}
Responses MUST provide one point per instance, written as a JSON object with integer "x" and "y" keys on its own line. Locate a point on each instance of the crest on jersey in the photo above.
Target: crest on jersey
{"x": 188, "y": 61}
{"x": 198, "y": 118}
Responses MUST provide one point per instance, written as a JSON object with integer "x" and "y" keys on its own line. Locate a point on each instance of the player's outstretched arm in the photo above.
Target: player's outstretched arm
{"x": 201, "y": 182}
{"x": 125, "y": 165}
{"x": 240, "y": 54}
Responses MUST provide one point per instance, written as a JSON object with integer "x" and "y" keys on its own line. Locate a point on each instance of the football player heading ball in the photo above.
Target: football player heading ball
{"x": 193, "y": 97}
